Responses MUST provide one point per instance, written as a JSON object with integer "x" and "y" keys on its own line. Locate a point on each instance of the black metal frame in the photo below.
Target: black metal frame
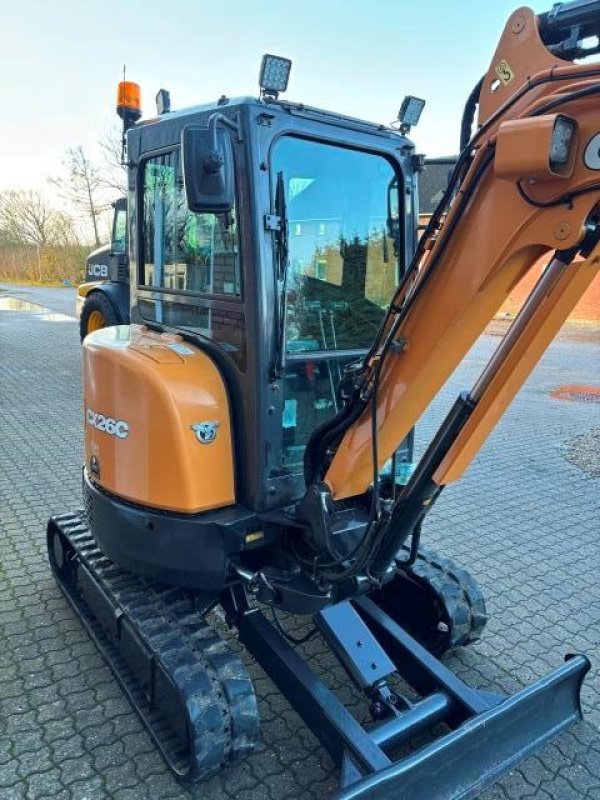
{"x": 489, "y": 733}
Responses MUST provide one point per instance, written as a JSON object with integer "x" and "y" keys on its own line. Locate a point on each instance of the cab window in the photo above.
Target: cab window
{"x": 119, "y": 235}
{"x": 343, "y": 262}
{"x": 343, "y": 248}
{"x": 190, "y": 265}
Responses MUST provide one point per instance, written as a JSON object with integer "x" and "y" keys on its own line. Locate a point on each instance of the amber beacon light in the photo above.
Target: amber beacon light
{"x": 129, "y": 103}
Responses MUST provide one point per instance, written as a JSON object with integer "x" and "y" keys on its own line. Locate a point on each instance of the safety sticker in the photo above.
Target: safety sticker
{"x": 504, "y": 71}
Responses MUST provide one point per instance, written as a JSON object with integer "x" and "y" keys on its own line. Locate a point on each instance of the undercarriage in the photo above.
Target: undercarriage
{"x": 198, "y": 703}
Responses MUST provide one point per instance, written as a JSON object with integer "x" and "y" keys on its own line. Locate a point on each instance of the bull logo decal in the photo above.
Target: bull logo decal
{"x": 206, "y": 432}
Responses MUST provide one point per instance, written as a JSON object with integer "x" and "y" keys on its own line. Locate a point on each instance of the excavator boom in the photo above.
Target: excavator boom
{"x": 510, "y": 207}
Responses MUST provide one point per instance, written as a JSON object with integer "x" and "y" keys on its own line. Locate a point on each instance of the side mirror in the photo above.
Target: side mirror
{"x": 207, "y": 165}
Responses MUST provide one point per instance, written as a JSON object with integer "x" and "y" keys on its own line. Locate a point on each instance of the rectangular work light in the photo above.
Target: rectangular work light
{"x": 274, "y": 75}
{"x": 410, "y": 112}
{"x": 163, "y": 102}
{"x": 560, "y": 143}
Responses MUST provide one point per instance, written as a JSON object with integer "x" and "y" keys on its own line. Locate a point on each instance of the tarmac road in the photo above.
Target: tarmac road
{"x": 61, "y": 300}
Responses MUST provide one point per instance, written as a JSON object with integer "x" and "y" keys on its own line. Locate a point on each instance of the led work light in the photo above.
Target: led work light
{"x": 560, "y": 143}
{"x": 274, "y": 75}
{"x": 535, "y": 149}
{"x": 410, "y": 112}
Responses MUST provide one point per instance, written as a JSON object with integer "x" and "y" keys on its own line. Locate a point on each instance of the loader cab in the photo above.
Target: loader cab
{"x": 103, "y": 299}
{"x": 289, "y": 285}
{"x": 110, "y": 262}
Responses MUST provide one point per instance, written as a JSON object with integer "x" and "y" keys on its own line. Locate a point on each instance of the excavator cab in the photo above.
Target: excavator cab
{"x": 290, "y": 282}
{"x": 248, "y": 438}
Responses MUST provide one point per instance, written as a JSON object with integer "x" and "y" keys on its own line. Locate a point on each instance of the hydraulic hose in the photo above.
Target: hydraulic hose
{"x": 466, "y": 125}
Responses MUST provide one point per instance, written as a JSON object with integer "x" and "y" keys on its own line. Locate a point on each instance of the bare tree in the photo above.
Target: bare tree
{"x": 63, "y": 230}
{"x": 82, "y": 187}
{"x": 30, "y": 226}
{"x": 114, "y": 174}
{"x": 26, "y": 218}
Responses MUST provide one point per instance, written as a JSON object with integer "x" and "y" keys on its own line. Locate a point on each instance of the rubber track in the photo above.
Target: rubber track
{"x": 458, "y": 590}
{"x": 215, "y": 691}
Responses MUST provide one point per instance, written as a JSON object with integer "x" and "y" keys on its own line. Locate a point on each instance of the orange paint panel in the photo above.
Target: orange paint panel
{"x": 521, "y": 48}
{"x": 159, "y": 387}
{"x": 523, "y": 149}
{"x": 541, "y": 330}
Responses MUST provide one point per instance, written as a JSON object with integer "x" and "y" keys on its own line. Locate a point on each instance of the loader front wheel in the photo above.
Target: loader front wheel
{"x": 97, "y": 312}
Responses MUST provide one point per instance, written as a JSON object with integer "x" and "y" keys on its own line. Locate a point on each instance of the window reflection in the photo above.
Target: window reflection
{"x": 344, "y": 247}
{"x": 342, "y": 209}
{"x": 119, "y": 238}
{"x": 185, "y": 251}
{"x": 189, "y": 253}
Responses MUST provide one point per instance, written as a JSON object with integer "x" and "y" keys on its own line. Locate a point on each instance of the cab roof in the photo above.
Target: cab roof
{"x": 317, "y": 114}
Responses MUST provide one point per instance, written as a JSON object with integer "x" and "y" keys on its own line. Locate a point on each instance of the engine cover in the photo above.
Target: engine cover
{"x": 157, "y": 426}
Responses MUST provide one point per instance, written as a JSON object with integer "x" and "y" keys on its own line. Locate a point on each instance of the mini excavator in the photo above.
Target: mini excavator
{"x": 248, "y": 438}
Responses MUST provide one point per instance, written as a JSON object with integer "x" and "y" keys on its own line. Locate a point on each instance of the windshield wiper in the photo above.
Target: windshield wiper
{"x": 281, "y": 251}
{"x": 282, "y": 232}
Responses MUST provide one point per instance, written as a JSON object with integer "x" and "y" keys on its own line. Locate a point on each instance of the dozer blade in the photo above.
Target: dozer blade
{"x": 460, "y": 765}
{"x": 193, "y": 695}
{"x": 488, "y": 733}
{"x": 492, "y": 740}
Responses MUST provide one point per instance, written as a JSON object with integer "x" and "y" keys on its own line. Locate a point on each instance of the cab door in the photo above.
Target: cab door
{"x": 344, "y": 259}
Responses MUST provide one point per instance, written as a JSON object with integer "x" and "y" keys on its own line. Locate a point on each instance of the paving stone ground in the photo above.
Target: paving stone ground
{"x": 524, "y": 520}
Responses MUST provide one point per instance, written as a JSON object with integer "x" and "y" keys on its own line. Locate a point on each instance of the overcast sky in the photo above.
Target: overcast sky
{"x": 60, "y": 62}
